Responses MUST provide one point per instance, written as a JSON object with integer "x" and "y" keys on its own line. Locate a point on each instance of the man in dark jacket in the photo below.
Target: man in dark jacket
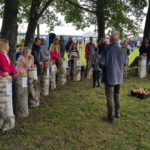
{"x": 37, "y": 54}
{"x": 62, "y": 46}
{"x": 112, "y": 61}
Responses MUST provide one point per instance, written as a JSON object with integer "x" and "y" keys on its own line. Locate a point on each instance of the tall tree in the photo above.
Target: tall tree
{"x": 35, "y": 13}
{"x": 147, "y": 23}
{"x": 115, "y": 15}
{"x": 9, "y": 26}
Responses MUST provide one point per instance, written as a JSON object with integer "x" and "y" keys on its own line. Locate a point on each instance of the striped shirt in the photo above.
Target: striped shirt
{"x": 72, "y": 52}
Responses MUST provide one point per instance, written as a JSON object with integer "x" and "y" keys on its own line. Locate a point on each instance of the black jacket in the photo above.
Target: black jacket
{"x": 143, "y": 49}
{"x": 37, "y": 54}
{"x": 128, "y": 52}
{"x": 101, "y": 48}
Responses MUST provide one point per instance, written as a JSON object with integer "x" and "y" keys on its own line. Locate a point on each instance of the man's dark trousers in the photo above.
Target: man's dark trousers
{"x": 113, "y": 100}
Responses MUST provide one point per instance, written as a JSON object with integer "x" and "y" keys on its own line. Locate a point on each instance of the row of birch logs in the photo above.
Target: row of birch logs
{"x": 20, "y": 92}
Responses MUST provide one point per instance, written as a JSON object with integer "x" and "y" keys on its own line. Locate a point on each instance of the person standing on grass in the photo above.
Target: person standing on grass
{"x": 44, "y": 51}
{"x": 55, "y": 53}
{"x": 145, "y": 48}
{"x": 96, "y": 68}
{"x": 69, "y": 44}
{"x": 89, "y": 50}
{"x": 36, "y": 52}
{"x": 125, "y": 47}
{"x": 112, "y": 61}
{"x": 102, "y": 45}
{"x": 72, "y": 53}
{"x": 138, "y": 43}
{"x": 62, "y": 46}
{"x": 80, "y": 44}
{"x": 68, "y": 47}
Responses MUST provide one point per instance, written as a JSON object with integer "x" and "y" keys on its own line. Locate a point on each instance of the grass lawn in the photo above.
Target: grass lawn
{"x": 71, "y": 119}
{"x": 133, "y": 55}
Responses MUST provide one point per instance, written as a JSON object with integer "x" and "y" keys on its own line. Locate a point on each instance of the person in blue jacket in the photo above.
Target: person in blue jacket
{"x": 112, "y": 61}
{"x": 19, "y": 52}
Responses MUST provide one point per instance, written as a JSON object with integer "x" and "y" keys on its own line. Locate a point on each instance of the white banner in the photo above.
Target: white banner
{"x": 35, "y": 75}
{"x": 143, "y": 63}
{"x": 9, "y": 89}
{"x": 64, "y": 65}
{"x": 47, "y": 71}
{"x": 24, "y": 82}
{"x": 53, "y": 68}
{"x": 78, "y": 63}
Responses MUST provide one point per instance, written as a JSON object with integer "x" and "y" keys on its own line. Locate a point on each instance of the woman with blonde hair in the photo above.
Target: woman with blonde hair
{"x": 125, "y": 47}
{"x": 25, "y": 61}
{"x": 55, "y": 53}
{"x": 5, "y": 62}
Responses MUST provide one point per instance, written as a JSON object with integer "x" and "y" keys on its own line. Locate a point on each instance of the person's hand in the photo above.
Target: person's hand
{"x": 41, "y": 63}
{"x": 31, "y": 57}
{"x": 47, "y": 51}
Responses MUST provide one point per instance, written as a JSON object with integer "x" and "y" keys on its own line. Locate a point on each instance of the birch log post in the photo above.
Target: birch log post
{"x": 52, "y": 70}
{"x": 142, "y": 73}
{"x": 68, "y": 71}
{"x": 77, "y": 69}
{"x": 7, "y": 118}
{"x": 62, "y": 64}
{"x": 20, "y": 96}
{"x": 125, "y": 71}
{"x": 45, "y": 80}
{"x": 34, "y": 88}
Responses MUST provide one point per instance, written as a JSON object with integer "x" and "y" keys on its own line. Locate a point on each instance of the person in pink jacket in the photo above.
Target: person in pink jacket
{"x": 5, "y": 62}
{"x": 55, "y": 53}
{"x": 25, "y": 61}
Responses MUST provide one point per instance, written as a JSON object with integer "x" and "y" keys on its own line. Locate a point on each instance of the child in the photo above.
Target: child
{"x": 72, "y": 53}
{"x": 5, "y": 62}
{"x": 25, "y": 61}
{"x": 95, "y": 66}
{"x": 19, "y": 52}
{"x": 55, "y": 53}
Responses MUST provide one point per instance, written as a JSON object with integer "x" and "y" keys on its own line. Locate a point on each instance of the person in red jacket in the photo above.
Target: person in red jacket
{"x": 89, "y": 50}
{"x": 5, "y": 63}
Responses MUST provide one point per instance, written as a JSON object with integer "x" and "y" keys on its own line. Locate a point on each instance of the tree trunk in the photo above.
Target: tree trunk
{"x": 10, "y": 27}
{"x": 147, "y": 25}
{"x": 62, "y": 64}
{"x": 7, "y": 118}
{"x": 30, "y": 33}
{"x": 34, "y": 17}
{"x": 32, "y": 23}
{"x": 20, "y": 96}
{"x": 77, "y": 69}
{"x": 100, "y": 19}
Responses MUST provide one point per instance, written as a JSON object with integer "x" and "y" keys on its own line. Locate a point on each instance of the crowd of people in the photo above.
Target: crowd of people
{"x": 106, "y": 58}
{"x": 39, "y": 54}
